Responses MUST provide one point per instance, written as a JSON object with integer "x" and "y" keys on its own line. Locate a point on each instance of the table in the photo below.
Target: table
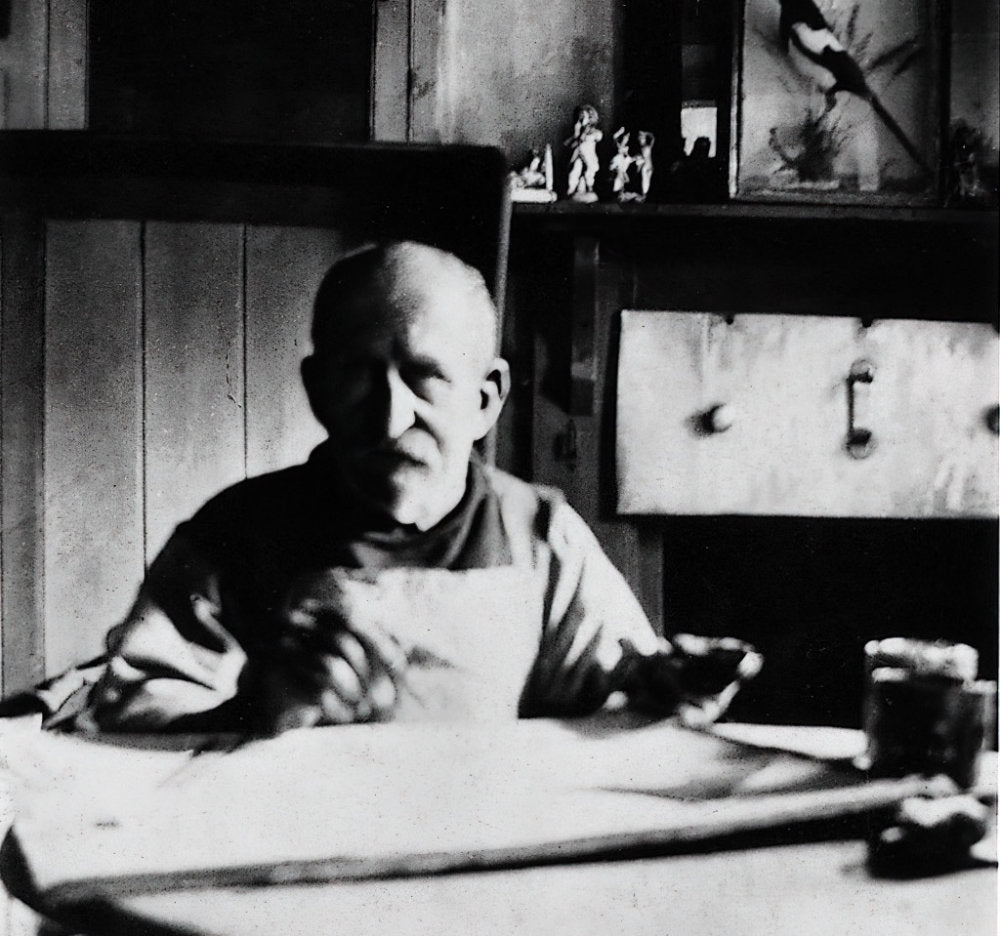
{"x": 819, "y": 889}
{"x": 779, "y": 875}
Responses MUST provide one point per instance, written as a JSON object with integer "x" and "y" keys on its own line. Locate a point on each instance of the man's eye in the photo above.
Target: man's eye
{"x": 350, "y": 379}
{"x": 349, "y": 370}
{"x": 422, "y": 377}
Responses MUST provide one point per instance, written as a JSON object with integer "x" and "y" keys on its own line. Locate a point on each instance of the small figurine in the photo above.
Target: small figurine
{"x": 644, "y": 161}
{"x": 632, "y": 172}
{"x": 620, "y": 164}
{"x": 584, "y": 163}
{"x": 533, "y": 183}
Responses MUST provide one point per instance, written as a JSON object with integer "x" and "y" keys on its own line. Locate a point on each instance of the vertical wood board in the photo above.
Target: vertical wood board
{"x": 194, "y": 377}
{"x": 93, "y": 432}
{"x": 22, "y": 512}
{"x": 284, "y": 269}
{"x": 583, "y": 361}
{"x": 390, "y": 70}
{"x": 24, "y": 63}
{"x": 572, "y": 452}
{"x": 68, "y": 73}
{"x": 2, "y": 914}
{"x": 427, "y": 21}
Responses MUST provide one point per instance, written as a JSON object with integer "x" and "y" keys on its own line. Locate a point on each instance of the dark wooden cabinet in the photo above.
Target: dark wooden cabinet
{"x": 808, "y": 591}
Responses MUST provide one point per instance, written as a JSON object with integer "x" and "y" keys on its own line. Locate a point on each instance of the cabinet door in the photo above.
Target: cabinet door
{"x": 806, "y": 416}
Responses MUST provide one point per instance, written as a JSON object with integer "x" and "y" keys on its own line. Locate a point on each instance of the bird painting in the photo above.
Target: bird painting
{"x": 817, "y": 53}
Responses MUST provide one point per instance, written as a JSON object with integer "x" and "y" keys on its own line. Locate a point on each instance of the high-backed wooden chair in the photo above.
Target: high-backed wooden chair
{"x": 154, "y": 306}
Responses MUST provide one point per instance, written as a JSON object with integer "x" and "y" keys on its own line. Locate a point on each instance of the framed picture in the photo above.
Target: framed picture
{"x": 837, "y": 101}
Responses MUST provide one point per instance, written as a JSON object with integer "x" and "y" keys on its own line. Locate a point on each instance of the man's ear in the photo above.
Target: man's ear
{"x": 492, "y": 394}
{"x": 311, "y": 378}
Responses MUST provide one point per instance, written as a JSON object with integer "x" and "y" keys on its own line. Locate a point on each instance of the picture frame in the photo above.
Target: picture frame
{"x": 837, "y": 101}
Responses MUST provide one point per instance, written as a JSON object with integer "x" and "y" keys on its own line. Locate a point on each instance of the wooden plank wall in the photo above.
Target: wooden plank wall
{"x": 164, "y": 358}
{"x": 390, "y": 108}
{"x": 43, "y": 85}
{"x": 24, "y": 66}
{"x": 278, "y": 317}
{"x": 194, "y": 435}
{"x": 92, "y": 429}
{"x": 43, "y": 65}
{"x": 43, "y": 68}
{"x": 21, "y": 447}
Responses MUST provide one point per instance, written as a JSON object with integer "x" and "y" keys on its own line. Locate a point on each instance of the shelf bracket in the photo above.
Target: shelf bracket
{"x": 583, "y": 359}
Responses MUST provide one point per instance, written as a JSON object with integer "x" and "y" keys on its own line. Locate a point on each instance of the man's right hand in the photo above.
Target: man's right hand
{"x": 323, "y": 673}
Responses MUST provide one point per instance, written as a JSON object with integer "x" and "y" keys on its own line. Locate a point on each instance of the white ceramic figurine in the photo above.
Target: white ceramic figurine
{"x": 584, "y": 163}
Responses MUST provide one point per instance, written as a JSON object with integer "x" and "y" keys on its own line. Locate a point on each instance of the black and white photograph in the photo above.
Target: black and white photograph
{"x": 485, "y": 468}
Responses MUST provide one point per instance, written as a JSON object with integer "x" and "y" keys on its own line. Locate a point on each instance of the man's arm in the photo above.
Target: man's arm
{"x": 598, "y": 642}
{"x": 172, "y": 662}
{"x": 593, "y": 623}
{"x": 186, "y": 660}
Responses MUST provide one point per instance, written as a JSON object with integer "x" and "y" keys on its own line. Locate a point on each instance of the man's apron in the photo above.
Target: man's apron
{"x": 469, "y": 638}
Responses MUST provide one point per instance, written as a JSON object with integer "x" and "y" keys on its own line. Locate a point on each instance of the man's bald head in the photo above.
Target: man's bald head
{"x": 377, "y": 284}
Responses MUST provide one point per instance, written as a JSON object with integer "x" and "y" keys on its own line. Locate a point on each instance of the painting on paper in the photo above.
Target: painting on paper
{"x": 837, "y": 101}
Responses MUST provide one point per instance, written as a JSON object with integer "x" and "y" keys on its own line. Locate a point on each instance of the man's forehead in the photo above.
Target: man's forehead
{"x": 407, "y": 293}
{"x": 420, "y": 310}
{"x": 434, "y": 305}
{"x": 444, "y": 331}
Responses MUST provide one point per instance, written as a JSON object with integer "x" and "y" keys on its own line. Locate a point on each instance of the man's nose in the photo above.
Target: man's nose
{"x": 400, "y": 405}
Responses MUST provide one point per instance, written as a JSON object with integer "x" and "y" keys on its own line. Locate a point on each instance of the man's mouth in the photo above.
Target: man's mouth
{"x": 394, "y": 458}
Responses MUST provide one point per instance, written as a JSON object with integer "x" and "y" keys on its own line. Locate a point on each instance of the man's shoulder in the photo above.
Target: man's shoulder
{"x": 517, "y": 493}
{"x": 541, "y": 506}
{"x": 255, "y": 503}
{"x": 259, "y": 489}
{"x": 541, "y": 522}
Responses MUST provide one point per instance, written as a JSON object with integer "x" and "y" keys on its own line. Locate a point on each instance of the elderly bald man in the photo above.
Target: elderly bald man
{"x": 394, "y": 575}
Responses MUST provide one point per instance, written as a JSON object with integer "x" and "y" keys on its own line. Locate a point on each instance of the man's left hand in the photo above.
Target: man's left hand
{"x": 695, "y": 678}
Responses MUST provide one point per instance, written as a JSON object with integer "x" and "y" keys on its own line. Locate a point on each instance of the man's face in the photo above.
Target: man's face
{"x": 404, "y": 394}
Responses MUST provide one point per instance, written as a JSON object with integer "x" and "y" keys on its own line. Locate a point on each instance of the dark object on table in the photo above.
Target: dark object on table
{"x": 928, "y": 834}
{"x": 926, "y": 725}
{"x": 924, "y": 711}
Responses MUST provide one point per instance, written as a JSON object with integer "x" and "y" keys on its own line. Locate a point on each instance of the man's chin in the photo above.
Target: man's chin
{"x": 404, "y": 508}
{"x": 400, "y": 494}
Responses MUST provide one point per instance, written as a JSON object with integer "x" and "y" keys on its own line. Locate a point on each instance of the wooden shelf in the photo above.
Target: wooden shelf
{"x": 611, "y": 213}
{"x": 875, "y": 261}
{"x": 868, "y": 262}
